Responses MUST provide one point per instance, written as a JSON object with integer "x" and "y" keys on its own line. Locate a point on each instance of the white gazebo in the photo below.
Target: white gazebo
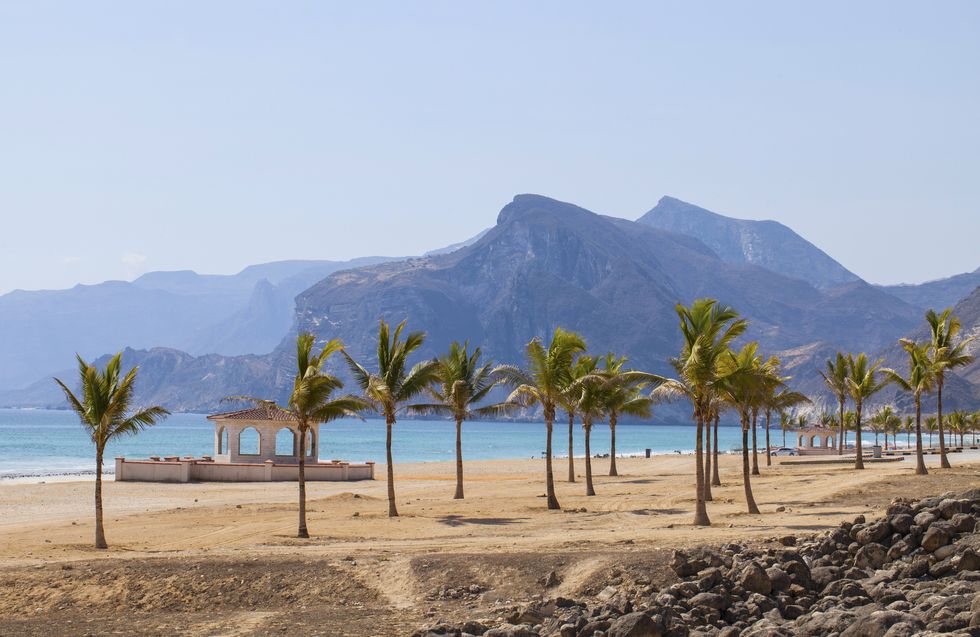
{"x": 259, "y": 444}
{"x": 261, "y": 433}
{"x": 816, "y": 441}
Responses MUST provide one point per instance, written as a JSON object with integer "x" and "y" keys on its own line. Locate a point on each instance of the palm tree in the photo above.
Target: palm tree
{"x": 974, "y": 425}
{"x": 462, "y": 381}
{"x": 877, "y": 425}
{"x": 707, "y": 330}
{"x": 931, "y": 427}
{"x": 547, "y": 377}
{"x": 591, "y": 406}
{"x": 836, "y": 380}
{"x": 311, "y": 402}
{"x": 785, "y": 423}
{"x": 908, "y": 425}
{"x": 741, "y": 377}
{"x": 945, "y": 354}
{"x": 863, "y": 382}
{"x": 892, "y": 424}
{"x": 957, "y": 425}
{"x": 716, "y": 409}
{"x": 569, "y": 402}
{"x": 392, "y": 386}
{"x": 920, "y": 380}
{"x": 104, "y": 411}
{"x": 621, "y": 393}
{"x": 779, "y": 401}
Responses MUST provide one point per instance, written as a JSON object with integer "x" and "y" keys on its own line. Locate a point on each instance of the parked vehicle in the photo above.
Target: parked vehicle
{"x": 784, "y": 451}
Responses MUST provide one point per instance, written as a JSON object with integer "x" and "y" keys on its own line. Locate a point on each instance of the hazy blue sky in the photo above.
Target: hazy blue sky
{"x": 212, "y": 135}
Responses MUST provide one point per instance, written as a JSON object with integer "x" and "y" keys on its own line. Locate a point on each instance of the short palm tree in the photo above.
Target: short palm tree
{"x": 570, "y": 396}
{"x": 920, "y": 380}
{"x": 931, "y": 427}
{"x": 836, "y": 380}
{"x": 908, "y": 425}
{"x": 104, "y": 410}
{"x": 740, "y": 379}
{"x": 945, "y": 354}
{"x": 863, "y": 382}
{"x": 707, "y": 330}
{"x": 312, "y": 402}
{"x": 779, "y": 400}
{"x": 393, "y": 384}
{"x": 621, "y": 393}
{"x": 591, "y": 407}
{"x": 462, "y": 382}
{"x": 957, "y": 422}
{"x": 543, "y": 383}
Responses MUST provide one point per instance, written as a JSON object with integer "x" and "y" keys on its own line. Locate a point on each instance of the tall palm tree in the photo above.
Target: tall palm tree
{"x": 863, "y": 382}
{"x": 920, "y": 380}
{"x": 621, "y": 393}
{"x": 945, "y": 354}
{"x": 569, "y": 402}
{"x": 462, "y": 381}
{"x": 548, "y": 375}
{"x": 311, "y": 402}
{"x": 104, "y": 410}
{"x": 394, "y": 384}
{"x": 836, "y": 380}
{"x": 707, "y": 330}
{"x": 741, "y": 377}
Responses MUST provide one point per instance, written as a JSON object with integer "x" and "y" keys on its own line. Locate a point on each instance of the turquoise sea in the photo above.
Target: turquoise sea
{"x": 48, "y": 443}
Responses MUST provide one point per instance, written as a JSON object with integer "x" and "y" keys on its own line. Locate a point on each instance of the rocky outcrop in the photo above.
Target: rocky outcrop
{"x": 912, "y": 572}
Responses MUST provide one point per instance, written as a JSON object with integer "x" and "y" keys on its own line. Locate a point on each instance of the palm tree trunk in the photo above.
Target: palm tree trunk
{"x": 612, "y": 445}
{"x": 943, "y": 460}
{"x": 550, "y": 478}
{"x": 701, "y": 511}
{"x": 302, "y": 531}
{"x": 100, "y": 542}
{"x": 768, "y": 450}
{"x": 571, "y": 448}
{"x": 715, "y": 479}
{"x": 746, "y": 478}
{"x": 589, "y": 490}
{"x": 708, "y": 497}
{"x": 392, "y": 509}
{"x": 459, "y": 460}
{"x": 755, "y": 453}
{"x": 920, "y": 463}
{"x": 843, "y": 431}
{"x": 859, "y": 451}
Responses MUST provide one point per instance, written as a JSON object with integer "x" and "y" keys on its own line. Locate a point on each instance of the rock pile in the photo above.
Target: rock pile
{"x": 915, "y": 571}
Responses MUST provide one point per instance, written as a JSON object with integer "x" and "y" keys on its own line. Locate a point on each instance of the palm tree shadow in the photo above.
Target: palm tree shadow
{"x": 461, "y": 520}
{"x": 657, "y": 511}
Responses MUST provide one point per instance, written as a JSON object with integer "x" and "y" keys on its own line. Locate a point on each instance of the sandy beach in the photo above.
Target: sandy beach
{"x": 221, "y": 559}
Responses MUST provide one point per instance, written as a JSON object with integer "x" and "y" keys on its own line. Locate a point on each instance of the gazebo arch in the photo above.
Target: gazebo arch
{"x": 286, "y": 444}
{"x": 245, "y": 445}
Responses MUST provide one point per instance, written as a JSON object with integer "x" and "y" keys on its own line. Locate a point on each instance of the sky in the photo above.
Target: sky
{"x": 213, "y": 135}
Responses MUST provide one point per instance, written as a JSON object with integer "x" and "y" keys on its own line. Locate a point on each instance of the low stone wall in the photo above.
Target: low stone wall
{"x": 198, "y": 470}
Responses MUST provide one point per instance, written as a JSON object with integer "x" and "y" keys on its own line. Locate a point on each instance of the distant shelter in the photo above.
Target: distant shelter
{"x": 259, "y": 444}
{"x": 815, "y": 441}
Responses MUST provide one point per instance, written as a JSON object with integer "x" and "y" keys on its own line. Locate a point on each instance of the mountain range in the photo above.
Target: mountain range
{"x": 545, "y": 263}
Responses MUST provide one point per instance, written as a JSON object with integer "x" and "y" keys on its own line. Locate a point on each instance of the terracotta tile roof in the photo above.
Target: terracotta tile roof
{"x": 260, "y": 412}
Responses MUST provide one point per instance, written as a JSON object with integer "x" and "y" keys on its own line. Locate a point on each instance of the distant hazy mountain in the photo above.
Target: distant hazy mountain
{"x": 938, "y": 294}
{"x": 248, "y": 312}
{"x": 545, "y": 263}
{"x": 769, "y": 244}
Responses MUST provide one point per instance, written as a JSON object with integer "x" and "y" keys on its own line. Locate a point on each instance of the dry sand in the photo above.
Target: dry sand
{"x": 222, "y": 559}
